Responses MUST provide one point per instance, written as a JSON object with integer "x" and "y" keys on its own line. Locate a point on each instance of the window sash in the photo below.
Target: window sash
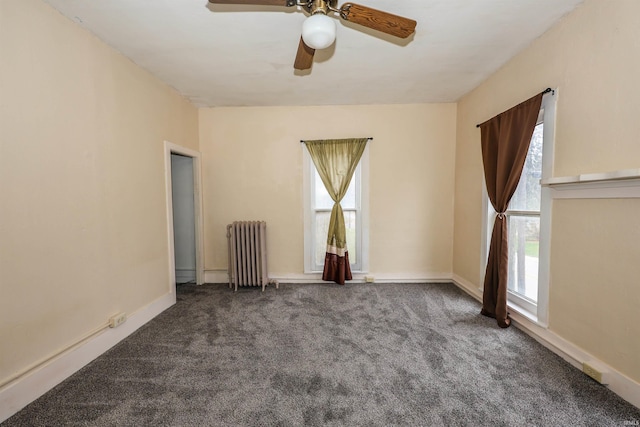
{"x": 357, "y": 263}
{"x": 520, "y": 298}
{"x": 522, "y": 279}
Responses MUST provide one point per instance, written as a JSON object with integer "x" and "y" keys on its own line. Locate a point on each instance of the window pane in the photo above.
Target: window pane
{"x": 323, "y": 200}
{"x": 527, "y": 195}
{"x": 322, "y": 227}
{"x": 524, "y": 234}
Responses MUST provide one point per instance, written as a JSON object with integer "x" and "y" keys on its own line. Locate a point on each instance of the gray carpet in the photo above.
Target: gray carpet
{"x": 360, "y": 355}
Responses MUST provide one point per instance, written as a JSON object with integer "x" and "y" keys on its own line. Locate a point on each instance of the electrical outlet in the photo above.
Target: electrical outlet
{"x": 595, "y": 372}
{"x": 369, "y": 279}
{"x": 117, "y": 320}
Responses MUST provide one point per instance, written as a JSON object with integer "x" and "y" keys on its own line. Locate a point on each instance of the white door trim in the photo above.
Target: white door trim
{"x": 170, "y": 148}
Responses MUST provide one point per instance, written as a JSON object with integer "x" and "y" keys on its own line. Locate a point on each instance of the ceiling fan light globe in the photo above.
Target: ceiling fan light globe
{"x": 319, "y": 31}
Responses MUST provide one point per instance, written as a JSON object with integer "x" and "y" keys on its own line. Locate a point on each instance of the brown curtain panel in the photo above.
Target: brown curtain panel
{"x": 505, "y": 142}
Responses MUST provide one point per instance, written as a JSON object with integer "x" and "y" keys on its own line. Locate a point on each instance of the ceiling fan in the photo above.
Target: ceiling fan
{"x": 319, "y": 30}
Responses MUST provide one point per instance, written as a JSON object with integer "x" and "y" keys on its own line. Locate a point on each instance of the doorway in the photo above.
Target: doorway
{"x": 184, "y": 215}
{"x": 184, "y": 220}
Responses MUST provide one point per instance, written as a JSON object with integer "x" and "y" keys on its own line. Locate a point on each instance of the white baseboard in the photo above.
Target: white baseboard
{"x": 33, "y": 384}
{"x": 216, "y": 276}
{"x": 467, "y": 286}
{"x": 405, "y": 278}
{"x": 221, "y": 276}
{"x": 360, "y": 278}
{"x": 619, "y": 383}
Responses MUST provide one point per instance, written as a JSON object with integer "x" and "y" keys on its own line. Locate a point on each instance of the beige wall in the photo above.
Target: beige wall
{"x": 82, "y": 196}
{"x": 591, "y": 57}
{"x": 596, "y": 273}
{"x": 82, "y": 213}
{"x": 253, "y": 170}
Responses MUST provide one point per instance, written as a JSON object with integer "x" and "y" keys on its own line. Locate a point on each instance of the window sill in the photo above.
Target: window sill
{"x": 621, "y": 184}
{"x": 617, "y": 179}
{"x": 532, "y": 317}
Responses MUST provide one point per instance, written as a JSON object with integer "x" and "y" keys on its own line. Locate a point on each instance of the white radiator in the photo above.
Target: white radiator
{"x": 247, "y": 254}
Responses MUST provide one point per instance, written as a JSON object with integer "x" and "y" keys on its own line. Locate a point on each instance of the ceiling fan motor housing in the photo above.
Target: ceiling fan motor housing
{"x": 318, "y": 6}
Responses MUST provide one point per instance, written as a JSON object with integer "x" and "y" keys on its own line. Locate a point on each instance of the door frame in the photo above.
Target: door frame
{"x": 171, "y": 148}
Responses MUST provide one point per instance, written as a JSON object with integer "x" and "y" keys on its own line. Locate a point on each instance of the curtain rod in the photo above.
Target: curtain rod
{"x": 547, "y": 90}
{"x": 370, "y": 139}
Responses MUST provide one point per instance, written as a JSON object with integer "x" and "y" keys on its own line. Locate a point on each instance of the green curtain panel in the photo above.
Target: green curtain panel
{"x": 336, "y": 161}
{"x": 505, "y": 142}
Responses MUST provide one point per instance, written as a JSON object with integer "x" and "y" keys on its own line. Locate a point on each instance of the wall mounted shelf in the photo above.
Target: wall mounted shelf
{"x": 620, "y": 184}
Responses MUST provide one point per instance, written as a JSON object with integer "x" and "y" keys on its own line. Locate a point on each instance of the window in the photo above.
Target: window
{"x": 523, "y": 216}
{"x": 318, "y": 205}
{"x": 529, "y": 216}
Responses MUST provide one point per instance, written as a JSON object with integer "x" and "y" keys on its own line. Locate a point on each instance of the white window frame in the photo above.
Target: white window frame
{"x": 539, "y": 312}
{"x": 361, "y": 180}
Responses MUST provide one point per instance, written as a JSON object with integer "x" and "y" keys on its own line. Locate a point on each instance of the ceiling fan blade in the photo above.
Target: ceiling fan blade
{"x": 378, "y": 20}
{"x": 287, "y": 3}
{"x": 304, "y": 57}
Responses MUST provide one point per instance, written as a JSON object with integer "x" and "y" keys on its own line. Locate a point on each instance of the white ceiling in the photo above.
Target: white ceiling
{"x": 220, "y": 55}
